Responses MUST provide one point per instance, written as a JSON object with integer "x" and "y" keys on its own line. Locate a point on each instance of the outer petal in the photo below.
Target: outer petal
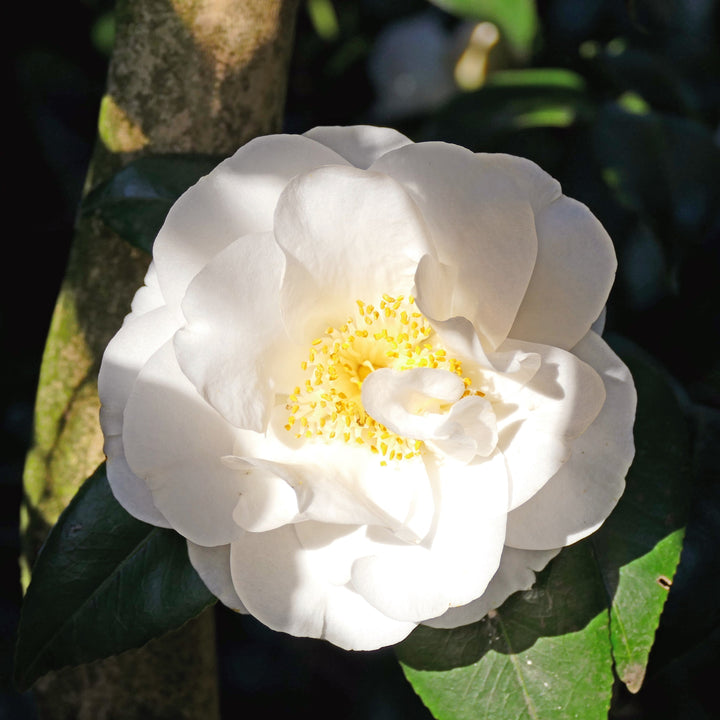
{"x": 556, "y": 405}
{"x": 360, "y": 145}
{"x": 516, "y": 572}
{"x": 347, "y": 234}
{"x": 481, "y": 223}
{"x": 573, "y": 275}
{"x": 235, "y": 344}
{"x": 302, "y": 587}
{"x": 175, "y": 441}
{"x": 237, "y": 198}
{"x": 576, "y": 501}
{"x": 149, "y": 296}
{"x": 454, "y": 564}
{"x": 135, "y": 342}
{"x": 212, "y": 564}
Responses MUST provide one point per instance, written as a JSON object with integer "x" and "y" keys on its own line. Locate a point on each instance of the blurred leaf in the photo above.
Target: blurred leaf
{"x": 324, "y": 20}
{"x": 104, "y": 582}
{"x": 548, "y": 653}
{"x": 512, "y": 101}
{"x": 650, "y": 75}
{"x": 136, "y": 200}
{"x": 664, "y": 168}
{"x": 516, "y": 19}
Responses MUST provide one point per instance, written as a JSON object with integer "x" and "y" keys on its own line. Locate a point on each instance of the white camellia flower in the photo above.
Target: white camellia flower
{"x": 362, "y": 380}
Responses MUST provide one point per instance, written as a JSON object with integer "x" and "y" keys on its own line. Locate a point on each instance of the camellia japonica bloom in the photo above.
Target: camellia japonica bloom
{"x": 363, "y": 379}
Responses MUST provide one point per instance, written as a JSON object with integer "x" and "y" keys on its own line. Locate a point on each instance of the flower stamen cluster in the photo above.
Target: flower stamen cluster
{"x": 328, "y": 403}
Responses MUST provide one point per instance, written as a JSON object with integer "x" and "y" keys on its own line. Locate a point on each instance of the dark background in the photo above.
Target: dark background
{"x": 638, "y": 144}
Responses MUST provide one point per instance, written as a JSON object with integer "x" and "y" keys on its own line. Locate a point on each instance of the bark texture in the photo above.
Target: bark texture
{"x": 199, "y": 76}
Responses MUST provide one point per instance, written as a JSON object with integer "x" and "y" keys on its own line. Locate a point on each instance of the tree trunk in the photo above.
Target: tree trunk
{"x": 202, "y": 76}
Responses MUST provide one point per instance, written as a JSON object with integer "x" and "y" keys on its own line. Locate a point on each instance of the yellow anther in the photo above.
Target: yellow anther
{"x": 327, "y": 404}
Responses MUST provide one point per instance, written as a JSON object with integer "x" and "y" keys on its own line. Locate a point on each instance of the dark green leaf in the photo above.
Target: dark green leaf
{"x": 548, "y": 653}
{"x": 104, "y": 582}
{"x": 513, "y": 101}
{"x": 638, "y": 548}
{"x": 664, "y": 168}
{"x": 136, "y": 200}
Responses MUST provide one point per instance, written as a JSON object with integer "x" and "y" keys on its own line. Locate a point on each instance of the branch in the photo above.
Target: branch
{"x": 202, "y": 76}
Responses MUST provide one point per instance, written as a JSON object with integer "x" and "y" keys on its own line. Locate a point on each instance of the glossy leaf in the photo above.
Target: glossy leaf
{"x": 548, "y": 653}
{"x": 542, "y": 655}
{"x": 103, "y": 582}
{"x": 639, "y": 547}
{"x": 135, "y": 201}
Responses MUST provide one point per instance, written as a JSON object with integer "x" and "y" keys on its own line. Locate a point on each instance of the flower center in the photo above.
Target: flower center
{"x": 328, "y": 405}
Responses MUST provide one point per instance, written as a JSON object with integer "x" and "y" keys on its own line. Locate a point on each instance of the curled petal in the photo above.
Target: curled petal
{"x": 410, "y": 402}
{"x": 580, "y": 496}
{"x": 469, "y": 430}
{"x": 558, "y": 404}
{"x": 488, "y": 237}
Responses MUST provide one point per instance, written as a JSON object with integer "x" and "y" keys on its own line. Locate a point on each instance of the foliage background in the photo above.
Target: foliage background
{"x": 633, "y": 134}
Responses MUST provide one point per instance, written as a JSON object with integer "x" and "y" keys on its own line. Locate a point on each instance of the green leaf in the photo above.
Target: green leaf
{"x": 103, "y": 583}
{"x": 548, "y": 653}
{"x": 516, "y": 19}
{"x": 639, "y": 547}
{"x": 543, "y": 655}
{"x": 136, "y": 200}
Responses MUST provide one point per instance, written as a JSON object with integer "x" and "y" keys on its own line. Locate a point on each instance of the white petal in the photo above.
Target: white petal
{"x": 573, "y": 275}
{"x": 302, "y": 589}
{"x": 174, "y": 441}
{"x": 469, "y": 430}
{"x": 212, "y": 564}
{"x": 341, "y": 484}
{"x": 410, "y": 402}
{"x": 516, "y": 572}
{"x": 234, "y": 346}
{"x": 576, "y": 501}
{"x": 560, "y": 401}
{"x": 148, "y": 297}
{"x": 540, "y": 188}
{"x": 237, "y": 198}
{"x": 348, "y": 234}
{"x": 481, "y": 223}
{"x": 599, "y": 325}
{"x": 136, "y": 341}
{"x": 266, "y": 501}
{"x": 360, "y": 145}
{"x": 454, "y": 564}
